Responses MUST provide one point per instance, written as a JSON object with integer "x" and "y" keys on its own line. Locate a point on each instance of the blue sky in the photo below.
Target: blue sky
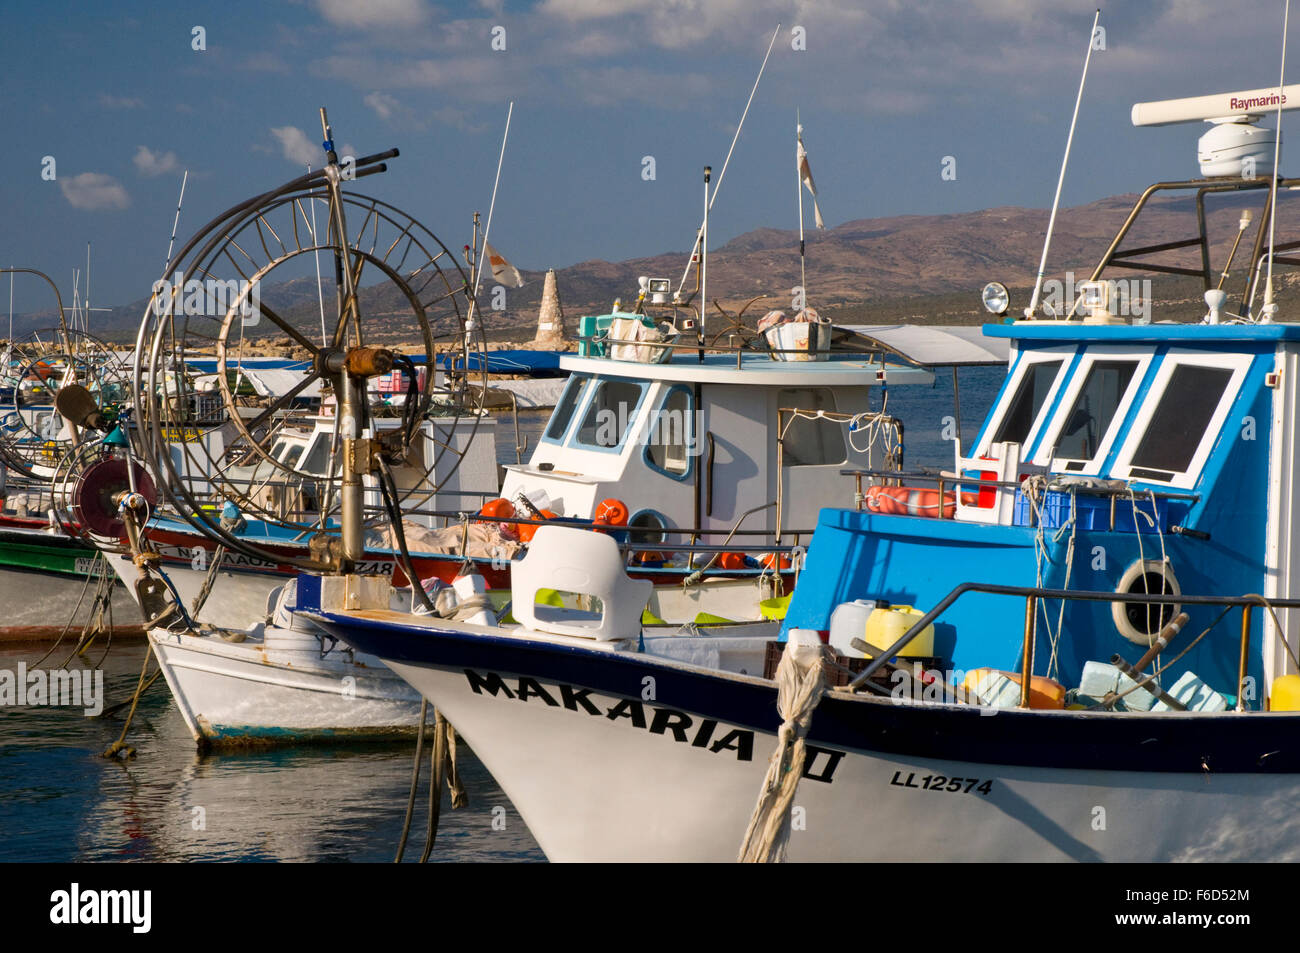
{"x": 117, "y": 94}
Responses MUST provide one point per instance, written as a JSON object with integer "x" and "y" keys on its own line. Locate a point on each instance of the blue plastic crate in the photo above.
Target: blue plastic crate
{"x": 1092, "y": 512}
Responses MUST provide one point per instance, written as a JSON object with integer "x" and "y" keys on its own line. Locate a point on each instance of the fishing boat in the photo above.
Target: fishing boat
{"x": 1131, "y": 493}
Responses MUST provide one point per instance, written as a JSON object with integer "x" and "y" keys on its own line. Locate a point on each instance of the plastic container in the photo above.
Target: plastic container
{"x": 1092, "y": 512}
{"x": 1001, "y": 689}
{"x": 887, "y": 626}
{"x": 1286, "y": 694}
{"x": 776, "y": 608}
{"x": 849, "y": 622}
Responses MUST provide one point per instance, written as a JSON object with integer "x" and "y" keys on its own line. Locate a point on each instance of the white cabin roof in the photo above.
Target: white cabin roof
{"x": 756, "y": 368}
{"x": 934, "y": 345}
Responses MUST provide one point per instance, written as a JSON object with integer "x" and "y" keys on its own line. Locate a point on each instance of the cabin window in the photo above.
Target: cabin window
{"x": 563, "y": 413}
{"x": 810, "y": 442}
{"x": 1087, "y": 423}
{"x": 1181, "y": 419}
{"x": 1189, "y": 403}
{"x": 609, "y": 415}
{"x": 317, "y": 460}
{"x": 672, "y": 433}
{"x": 291, "y": 456}
{"x": 1030, "y": 396}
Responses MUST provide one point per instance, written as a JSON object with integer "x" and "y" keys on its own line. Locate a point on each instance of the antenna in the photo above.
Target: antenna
{"x": 320, "y": 292}
{"x": 487, "y": 228}
{"x": 734, "y": 139}
{"x": 1051, "y": 222}
{"x": 1270, "y": 306}
{"x": 177, "y": 220}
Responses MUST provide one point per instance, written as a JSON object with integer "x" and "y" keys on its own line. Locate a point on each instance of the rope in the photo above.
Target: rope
{"x": 801, "y": 683}
{"x": 209, "y": 580}
{"x": 120, "y": 744}
{"x": 415, "y": 781}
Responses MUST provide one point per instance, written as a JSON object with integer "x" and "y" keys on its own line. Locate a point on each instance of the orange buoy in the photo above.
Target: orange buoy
{"x": 497, "y": 509}
{"x": 527, "y": 530}
{"x": 501, "y": 509}
{"x": 732, "y": 561}
{"x": 773, "y": 561}
{"x": 611, "y": 512}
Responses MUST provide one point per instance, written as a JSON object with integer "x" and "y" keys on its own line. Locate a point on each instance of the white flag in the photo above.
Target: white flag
{"x": 502, "y": 270}
{"x": 805, "y": 175}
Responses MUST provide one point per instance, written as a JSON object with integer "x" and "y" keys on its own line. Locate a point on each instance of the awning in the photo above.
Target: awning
{"x": 934, "y": 345}
{"x": 272, "y": 382}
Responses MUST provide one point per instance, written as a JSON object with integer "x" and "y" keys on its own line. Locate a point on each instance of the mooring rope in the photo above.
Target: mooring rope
{"x": 801, "y": 684}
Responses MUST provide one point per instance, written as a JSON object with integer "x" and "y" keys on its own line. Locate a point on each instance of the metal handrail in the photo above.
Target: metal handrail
{"x": 1033, "y": 593}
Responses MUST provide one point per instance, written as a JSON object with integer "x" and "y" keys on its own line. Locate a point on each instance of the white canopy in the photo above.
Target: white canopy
{"x": 935, "y": 345}
{"x": 274, "y": 381}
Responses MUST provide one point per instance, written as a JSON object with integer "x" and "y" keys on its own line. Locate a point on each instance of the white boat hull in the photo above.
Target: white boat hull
{"x": 246, "y": 693}
{"x": 647, "y": 765}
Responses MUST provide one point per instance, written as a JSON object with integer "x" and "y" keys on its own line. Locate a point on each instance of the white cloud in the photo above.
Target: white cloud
{"x": 151, "y": 163}
{"x": 381, "y": 103}
{"x": 296, "y": 147}
{"x": 372, "y": 14}
{"x": 119, "y": 102}
{"x": 94, "y": 192}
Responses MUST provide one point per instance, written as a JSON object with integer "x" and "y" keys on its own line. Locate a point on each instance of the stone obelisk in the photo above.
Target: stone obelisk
{"x": 550, "y": 318}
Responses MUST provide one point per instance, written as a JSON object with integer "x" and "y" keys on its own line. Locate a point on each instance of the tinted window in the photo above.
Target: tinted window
{"x": 1178, "y": 424}
{"x": 810, "y": 442}
{"x": 609, "y": 414}
{"x": 1027, "y": 402}
{"x": 318, "y": 457}
{"x": 671, "y": 432}
{"x": 564, "y": 409}
{"x": 1086, "y": 424}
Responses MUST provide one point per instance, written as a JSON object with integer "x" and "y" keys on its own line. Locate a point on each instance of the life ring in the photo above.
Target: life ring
{"x": 913, "y": 501}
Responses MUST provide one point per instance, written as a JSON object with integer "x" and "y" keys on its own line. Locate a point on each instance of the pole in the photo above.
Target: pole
{"x": 1270, "y": 308}
{"x": 177, "y": 220}
{"x": 704, "y": 271}
{"x": 734, "y": 139}
{"x": 320, "y": 292}
{"x": 487, "y": 228}
{"x": 798, "y": 189}
{"x": 1051, "y": 222}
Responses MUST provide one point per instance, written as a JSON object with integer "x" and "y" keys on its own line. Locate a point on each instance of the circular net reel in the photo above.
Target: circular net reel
{"x": 34, "y": 437}
{"x": 229, "y": 431}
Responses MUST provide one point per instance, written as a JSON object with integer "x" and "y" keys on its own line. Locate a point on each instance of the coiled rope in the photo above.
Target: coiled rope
{"x": 801, "y": 684}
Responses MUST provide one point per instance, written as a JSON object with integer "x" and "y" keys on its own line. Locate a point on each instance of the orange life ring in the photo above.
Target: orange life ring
{"x": 913, "y": 501}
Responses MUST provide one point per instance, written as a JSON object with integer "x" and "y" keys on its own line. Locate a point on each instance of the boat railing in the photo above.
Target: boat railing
{"x": 666, "y": 349}
{"x": 947, "y": 480}
{"x": 1033, "y": 594}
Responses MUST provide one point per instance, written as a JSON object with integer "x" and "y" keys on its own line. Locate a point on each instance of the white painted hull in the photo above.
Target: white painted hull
{"x": 596, "y": 789}
{"x": 238, "y": 599}
{"x": 245, "y": 693}
{"x": 33, "y": 598}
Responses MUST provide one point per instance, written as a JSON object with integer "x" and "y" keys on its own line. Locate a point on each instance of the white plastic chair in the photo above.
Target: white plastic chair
{"x": 1003, "y": 461}
{"x": 567, "y": 559}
